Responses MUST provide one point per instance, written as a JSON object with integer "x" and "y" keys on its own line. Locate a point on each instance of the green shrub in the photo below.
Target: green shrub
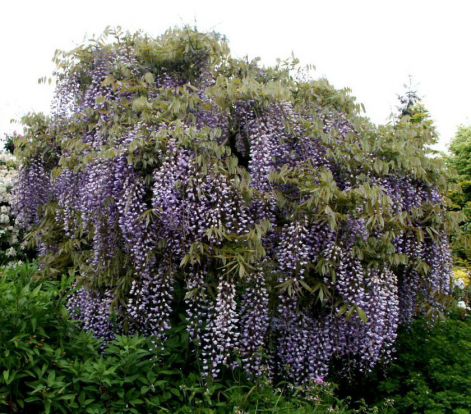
{"x": 49, "y": 365}
{"x": 432, "y": 373}
{"x": 35, "y": 335}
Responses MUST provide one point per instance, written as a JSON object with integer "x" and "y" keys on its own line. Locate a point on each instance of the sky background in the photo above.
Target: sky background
{"x": 371, "y": 47}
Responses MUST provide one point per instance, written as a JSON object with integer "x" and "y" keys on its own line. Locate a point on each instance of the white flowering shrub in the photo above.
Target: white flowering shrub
{"x": 462, "y": 289}
{"x": 10, "y": 245}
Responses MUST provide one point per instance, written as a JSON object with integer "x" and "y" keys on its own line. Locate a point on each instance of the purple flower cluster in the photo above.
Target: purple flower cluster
{"x": 150, "y": 302}
{"x": 221, "y": 336}
{"x": 32, "y": 192}
{"x": 254, "y": 326}
{"x": 93, "y": 310}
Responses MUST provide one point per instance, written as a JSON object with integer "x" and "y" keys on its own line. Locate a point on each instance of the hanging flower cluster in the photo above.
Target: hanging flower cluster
{"x": 298, "y": 232}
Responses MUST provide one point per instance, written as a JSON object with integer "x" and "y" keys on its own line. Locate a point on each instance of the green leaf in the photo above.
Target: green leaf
{"x": 305, "y": 286}
{"x": 361, "y": 313}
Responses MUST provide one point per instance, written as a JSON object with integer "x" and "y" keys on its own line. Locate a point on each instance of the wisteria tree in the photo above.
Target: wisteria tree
{"x": 173, "y": 178}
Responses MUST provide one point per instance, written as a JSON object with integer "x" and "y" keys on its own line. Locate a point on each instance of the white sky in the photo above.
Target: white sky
{"x": 371, "y": 46}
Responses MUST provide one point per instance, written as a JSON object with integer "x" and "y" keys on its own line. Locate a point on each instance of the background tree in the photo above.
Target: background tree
{"x": 460, "y": 163}
{"x": 9, "y": 145}
{"x": 408, "y": 99}
{"x": 460, "y": 149}
{"x": 413, "y": 110}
